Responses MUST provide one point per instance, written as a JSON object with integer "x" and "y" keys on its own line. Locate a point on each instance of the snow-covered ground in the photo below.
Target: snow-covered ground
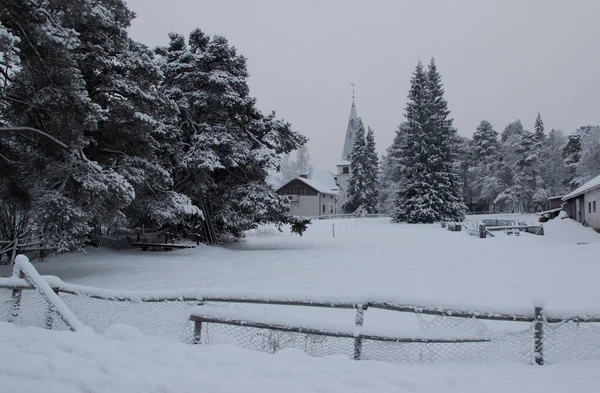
{"x": 370, "y": 257}
{"x": 34, "y": 360}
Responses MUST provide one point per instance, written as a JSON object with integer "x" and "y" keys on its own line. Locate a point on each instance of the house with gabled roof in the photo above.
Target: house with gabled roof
{"x": 322, "y": 193}
{"x": 583, "y": 203}
{"x": 311, "y": 197}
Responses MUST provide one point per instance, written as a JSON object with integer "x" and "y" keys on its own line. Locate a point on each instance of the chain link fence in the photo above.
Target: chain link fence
{"x": 515, "y": 346}
{"x": 565, "y": 341}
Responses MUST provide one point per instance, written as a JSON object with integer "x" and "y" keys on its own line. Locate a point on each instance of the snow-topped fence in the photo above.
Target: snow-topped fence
{"x": 446, "y": 332}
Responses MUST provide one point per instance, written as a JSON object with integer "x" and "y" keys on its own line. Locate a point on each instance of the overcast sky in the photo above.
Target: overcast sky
{"x": 499, "y": 60}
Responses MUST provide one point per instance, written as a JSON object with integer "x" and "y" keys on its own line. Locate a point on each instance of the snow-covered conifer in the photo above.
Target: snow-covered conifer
{"x": 356, "y": 192}
{"x": 430, "y": 188}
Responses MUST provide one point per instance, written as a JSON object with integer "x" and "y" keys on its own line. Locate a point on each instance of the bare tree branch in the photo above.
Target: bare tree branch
{"x": 34, "y": 131}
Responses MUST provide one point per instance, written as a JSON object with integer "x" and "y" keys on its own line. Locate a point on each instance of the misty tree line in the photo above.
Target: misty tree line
{"x": 293, "y": 165}
{"x": 98, "y": 132}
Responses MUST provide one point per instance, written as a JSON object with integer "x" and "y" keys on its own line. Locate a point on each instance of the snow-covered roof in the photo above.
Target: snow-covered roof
{"x": 320, "y": 187}
{"x": 317, "y": 185}
{"x": 589, "y": 186}
{"x": 326, "y": 178}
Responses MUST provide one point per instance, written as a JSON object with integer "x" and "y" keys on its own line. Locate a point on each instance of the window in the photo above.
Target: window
{"x": 323, "y": 208}
{"x": 589, "y": 207}
{"x": 345, "y": 170}
{"x": 594, "y": 206}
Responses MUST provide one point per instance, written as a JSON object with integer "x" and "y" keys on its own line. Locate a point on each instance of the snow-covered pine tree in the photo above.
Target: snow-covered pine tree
{"x": 391, "y": 171}
{"x": 485, "y": 143}
{"x": 122, "y": 77}
{"x": 9, "y": 59}
{"x": 385, "y": 187}
{"x": 61, "y": 188}
{"x": 510, "y": 140}
{"x": 464, "y": 163}
{"x": 539, "y": 129}
{"x": 371, "y": 173}
{"x": 588, "y": 165}
{"x": 356, "y": 191}
{"x": 223, "y": 145}
{"x": 553, "y": 170}
{"x": 486, "y": 156}
{"x": 446, "y": 139}
{"x": 415, "y": 198}
{"x": 430, "y": 189}
{"x": 527, "y": 191}
{"x": 512, "y": 130}
{"x": 571, "y": 154}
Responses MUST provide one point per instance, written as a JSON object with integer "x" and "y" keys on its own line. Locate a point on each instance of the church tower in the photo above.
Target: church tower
{"x": 343, "y": 168}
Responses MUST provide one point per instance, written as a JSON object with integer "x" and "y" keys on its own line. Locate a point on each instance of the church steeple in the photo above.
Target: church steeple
{"x": 351, "y": 131}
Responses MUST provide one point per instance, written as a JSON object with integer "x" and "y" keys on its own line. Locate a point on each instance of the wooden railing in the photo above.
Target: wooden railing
{"x": 537, "y": 315}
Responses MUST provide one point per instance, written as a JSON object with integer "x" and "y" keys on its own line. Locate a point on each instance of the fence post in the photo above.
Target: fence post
{"x": 51, "y": 312}
{"x": 482, "y": 231}
{"x": 358, "y": 321}
{"x": 333, "y": 228}
{"x": 16, "y": 297}
{"x": 538, "y": 335}
{"x": 14, "y": 250}
{"x": 197, "y": 332}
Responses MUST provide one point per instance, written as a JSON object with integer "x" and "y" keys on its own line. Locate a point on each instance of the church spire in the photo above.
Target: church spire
{"x": 351, "y": 131}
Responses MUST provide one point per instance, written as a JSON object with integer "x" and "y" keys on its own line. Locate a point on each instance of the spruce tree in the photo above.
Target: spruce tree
{"x": 529, "y": 190}
{"x": 356, "y": 191}
{"x": 571, "y": 154}
{"x": 371, "y": 173}
{"x": 430, "y": 189}
{"x": 446, "y": 139}
{"x": 513, "y": 130}
{"x": 589, "y": 162}
{"x": 391, "y": 171}
{"x": 486, "y": 156}
{"x": 554, "y": 171}
{"x": 415, "y": 198}
{"x": 539, "y": 129}
{"x": 485, "y": 143}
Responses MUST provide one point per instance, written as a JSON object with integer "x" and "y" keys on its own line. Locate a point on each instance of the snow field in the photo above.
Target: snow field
{"x": 373, "y": 259}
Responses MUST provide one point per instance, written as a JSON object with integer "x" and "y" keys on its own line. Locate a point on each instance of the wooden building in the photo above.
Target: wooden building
{"x": 583, "y": 204}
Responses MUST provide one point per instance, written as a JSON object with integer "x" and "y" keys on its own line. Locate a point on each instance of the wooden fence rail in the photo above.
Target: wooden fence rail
{"x": 537, "y": 316}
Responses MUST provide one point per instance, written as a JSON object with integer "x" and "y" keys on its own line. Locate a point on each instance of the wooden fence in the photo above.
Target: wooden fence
{"x": 537, "y": 316}
{"x": 34, "y": 247}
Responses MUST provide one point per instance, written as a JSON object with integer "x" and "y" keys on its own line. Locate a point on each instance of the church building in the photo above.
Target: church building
{"x": 343, "y": 168}
{"x": 323, "y": 193}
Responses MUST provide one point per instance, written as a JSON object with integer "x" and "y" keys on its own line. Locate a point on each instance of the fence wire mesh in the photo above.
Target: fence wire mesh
{"x": 571, "y": 341}
{"x": 562, "y": 342}
{"x": 513, "y": 346}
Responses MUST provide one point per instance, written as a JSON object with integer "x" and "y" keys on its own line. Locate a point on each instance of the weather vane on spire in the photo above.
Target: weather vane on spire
{"x": 352, "y": 90}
